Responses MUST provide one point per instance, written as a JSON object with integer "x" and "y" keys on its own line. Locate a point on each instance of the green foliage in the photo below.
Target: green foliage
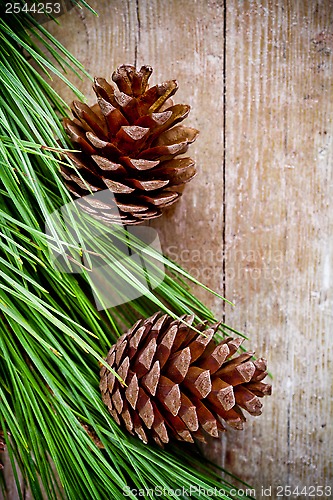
{"x": 52, "y": 337}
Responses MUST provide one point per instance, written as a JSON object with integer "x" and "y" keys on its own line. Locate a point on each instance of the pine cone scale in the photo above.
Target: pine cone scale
{"x": 168, "y": 394}
{"x": 159, "y": 425}
{"x": 247, "y": 400}
{"x": 151, "y": 379}
{"x": 259, "y": 389}
{"x": 132, "y": 391}
{"x": 215, "y": 357}
{"x": 145, "y": 408}
{"x": 206, "y": 419}
{"x": 188, "y": 414}
{"x": 178, "y": 365}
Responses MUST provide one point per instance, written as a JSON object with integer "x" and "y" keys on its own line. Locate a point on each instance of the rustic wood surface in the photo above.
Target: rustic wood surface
{"x": 256, "y": 223}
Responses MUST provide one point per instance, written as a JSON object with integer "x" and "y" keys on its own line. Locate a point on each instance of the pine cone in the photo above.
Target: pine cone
{"x": 129, "y": 143}
{"x": 180, "y": 383}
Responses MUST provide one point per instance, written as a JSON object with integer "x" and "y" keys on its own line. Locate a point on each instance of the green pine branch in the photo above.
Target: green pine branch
{"x": 52, "y": 337}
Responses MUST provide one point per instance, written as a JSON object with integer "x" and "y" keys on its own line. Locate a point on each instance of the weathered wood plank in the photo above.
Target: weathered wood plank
{"x": 279, "y": 230}
{"x": 185, "y": 40}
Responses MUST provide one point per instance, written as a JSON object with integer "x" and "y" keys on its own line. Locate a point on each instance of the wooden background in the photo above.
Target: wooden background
{"x": 256, "y": 223}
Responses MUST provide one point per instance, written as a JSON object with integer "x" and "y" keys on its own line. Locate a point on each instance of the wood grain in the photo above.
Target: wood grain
{"x": 279, "y": 229}
{"x": 256, "y": 223}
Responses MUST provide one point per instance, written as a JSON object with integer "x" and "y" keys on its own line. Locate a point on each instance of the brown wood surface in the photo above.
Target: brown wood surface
{"x": 256, "y": 223}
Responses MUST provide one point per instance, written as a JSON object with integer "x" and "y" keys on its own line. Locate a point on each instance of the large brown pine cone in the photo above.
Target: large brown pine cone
{"x": 180, "y": 383}
{"x": 129, "y": 144}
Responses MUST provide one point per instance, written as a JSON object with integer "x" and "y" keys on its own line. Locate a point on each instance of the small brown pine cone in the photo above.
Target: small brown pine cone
{"x": 129, "y": 142}
{"x": 179, "y": 383}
